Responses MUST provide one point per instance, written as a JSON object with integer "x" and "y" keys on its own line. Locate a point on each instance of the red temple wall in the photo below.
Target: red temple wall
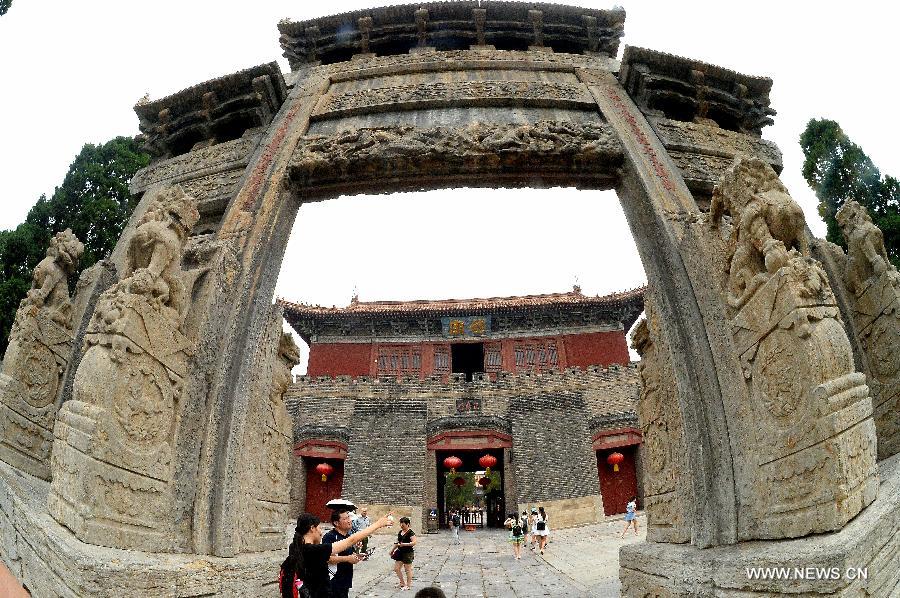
{"x": 341, "y": 359}
{"x": 579, "y": 350}
{"x": 596, "y": 348}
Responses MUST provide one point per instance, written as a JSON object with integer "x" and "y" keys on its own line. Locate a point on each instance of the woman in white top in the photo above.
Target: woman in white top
{"x": 541, "y": 529}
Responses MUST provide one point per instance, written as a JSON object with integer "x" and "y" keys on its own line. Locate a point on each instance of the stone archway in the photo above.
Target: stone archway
{"x": 536, "y": 100}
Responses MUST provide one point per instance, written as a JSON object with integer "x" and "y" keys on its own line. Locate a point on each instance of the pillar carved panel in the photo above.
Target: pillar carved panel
{"x": 36, "y": 359}
{"x": 667, "y": 487}
{"x": 807, "y": 429}
{"x": 268, "y": 437}
{"x": 114, "y": 453}
{"x": 872, "y": 292}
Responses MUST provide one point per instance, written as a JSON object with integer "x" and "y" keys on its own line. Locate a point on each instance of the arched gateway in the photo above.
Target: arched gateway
{"x": 170, "y": 440}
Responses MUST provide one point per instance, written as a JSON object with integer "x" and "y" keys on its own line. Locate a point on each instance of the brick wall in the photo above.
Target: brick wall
{"x": 386, "y": 454}
{"x": 552, "y": 454}
{"x": 386, "y": 423}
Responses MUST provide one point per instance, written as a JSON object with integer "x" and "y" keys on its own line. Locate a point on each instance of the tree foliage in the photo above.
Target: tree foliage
{"x": 93, "y": 201}
{"x": 4, "y": 6}
{"x": 838, "y": 170}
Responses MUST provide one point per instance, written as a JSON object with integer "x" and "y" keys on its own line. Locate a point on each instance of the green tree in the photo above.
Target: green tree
{"x": 93, "y": 201}
{"x": 838, "y": 170}
{"x": 4, "y": 6}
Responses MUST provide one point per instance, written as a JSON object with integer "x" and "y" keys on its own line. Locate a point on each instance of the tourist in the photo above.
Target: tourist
{"x": 525, "y": 527}
{"x": 403, "y": 553}
{"x": 516, "y": 533}
{"x": 360, "y": 523}
{"x": 307, "y": 562}
{"x": 455, "y": 522}
{"x": 532, "y": 522}
{"x": 540, "y": 528}
{"x": 630, "y": 517}
{"x": 340, "y": 565}
{"x": 546, "y": 523}
{"x": 431, "y": 592}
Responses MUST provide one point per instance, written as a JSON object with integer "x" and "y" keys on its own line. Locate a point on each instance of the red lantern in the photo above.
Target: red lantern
{"x": 325, "y": 469}
{"x": 487, "y": 462}
{"x": 452, "y": 463}
{"x": 459, "y": 481}
{"x": 485, "y": 482}
{"x": 614, "y": 459}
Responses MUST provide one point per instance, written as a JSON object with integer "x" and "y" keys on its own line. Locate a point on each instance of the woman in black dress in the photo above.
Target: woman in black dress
{"x": 403, "y": 553}
{"x": 306, "y": 567}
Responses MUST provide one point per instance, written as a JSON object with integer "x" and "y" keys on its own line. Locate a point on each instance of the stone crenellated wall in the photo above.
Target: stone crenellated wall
{"x": 386, "y": 423}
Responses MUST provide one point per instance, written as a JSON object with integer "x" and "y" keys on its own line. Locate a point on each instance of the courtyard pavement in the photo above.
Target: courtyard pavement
{"x": 578, "y": 562}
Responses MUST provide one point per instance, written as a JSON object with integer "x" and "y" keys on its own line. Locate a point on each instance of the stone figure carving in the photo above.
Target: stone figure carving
{"x": 39, "y": 346}
{"x": 812, "y": 437}
{"x": 768, "y": 223}
{"x": 267, "y": 487}
{"x": 113, "y": 459}
{"x": 667, "y": 490}
{"x": 874, "y": 284}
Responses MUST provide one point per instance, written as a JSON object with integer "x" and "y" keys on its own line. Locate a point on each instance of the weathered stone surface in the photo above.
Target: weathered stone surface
{"x": 812, "y": 439}
{"x": 114, "y": 460}
{"x": 858, "y": 560}
{"x": 51, "y": 561}
{"x": 40, "y": 345}
{"x": 405, "y": 152}
{"x": 264, "y": 478}
{"x": 873, "y": 290}
{"x": 667, "y": 488}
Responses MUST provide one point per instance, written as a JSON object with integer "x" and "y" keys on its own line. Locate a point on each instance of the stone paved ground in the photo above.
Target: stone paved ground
{"x": 578, "y": 562}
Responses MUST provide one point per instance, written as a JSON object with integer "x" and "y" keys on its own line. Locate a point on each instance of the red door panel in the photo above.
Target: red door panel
{"x": 318, "y": 492}
{"x": 617, "y": 487}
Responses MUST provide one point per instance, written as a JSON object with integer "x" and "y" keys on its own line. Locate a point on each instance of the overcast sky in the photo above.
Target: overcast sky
{"x": 71, "y": 72}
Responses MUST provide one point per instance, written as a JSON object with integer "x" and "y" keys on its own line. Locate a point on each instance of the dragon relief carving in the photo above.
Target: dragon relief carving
{"x": 445, "y": 93}
{"x": 126, "y": 393}
{"x": 805, "y": 396}
{"x": 405, "y": 150}
{"x": 40, "y": 344}
{"x": 874, "y": 286}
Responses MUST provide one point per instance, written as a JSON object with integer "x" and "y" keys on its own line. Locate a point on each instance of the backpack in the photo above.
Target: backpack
{"x": 541, "y": 525}
{"x": 299, "y": 590}
{"x": 517, "y": 529}
{"x": 456, "y": 521}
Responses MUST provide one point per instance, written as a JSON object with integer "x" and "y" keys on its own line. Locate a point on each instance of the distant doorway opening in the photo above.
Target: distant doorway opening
{"x": 467, "y": 358}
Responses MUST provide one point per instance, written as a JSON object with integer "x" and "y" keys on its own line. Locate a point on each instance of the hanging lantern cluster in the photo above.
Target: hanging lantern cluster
{"x": 452, "y": 463}
{"x": 487, "y": 462}
{"x": 484, "y": 482}
{"x": 459, "y": 481}
{"x": 325, "y": 469}
{"x": 614, "y": 459}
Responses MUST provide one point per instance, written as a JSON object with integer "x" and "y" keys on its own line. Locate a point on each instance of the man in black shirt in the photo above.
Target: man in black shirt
{"x": 341, "y": 564}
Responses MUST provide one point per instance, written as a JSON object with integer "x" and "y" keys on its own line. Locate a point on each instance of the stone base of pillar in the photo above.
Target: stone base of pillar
{"x": 48, "y": 559}
{"x": 859, "y": 560}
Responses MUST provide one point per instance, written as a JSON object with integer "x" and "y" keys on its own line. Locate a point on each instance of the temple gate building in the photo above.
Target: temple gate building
{"x": 542, "y": 383}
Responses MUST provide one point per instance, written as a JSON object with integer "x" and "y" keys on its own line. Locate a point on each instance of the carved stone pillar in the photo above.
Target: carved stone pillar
{"x": 667, "y": 487}
{"x": 40, "y": 344}
{"x": 114, "y": 458}
{"x": 264, "y": 482}
{"x": 871, "y": 286}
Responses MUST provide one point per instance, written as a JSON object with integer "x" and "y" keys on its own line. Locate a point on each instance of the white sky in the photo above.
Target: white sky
{"x": 71, "y": 72}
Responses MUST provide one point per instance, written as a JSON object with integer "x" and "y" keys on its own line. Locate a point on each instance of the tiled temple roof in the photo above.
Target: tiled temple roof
{"x": 453, "y": 306}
